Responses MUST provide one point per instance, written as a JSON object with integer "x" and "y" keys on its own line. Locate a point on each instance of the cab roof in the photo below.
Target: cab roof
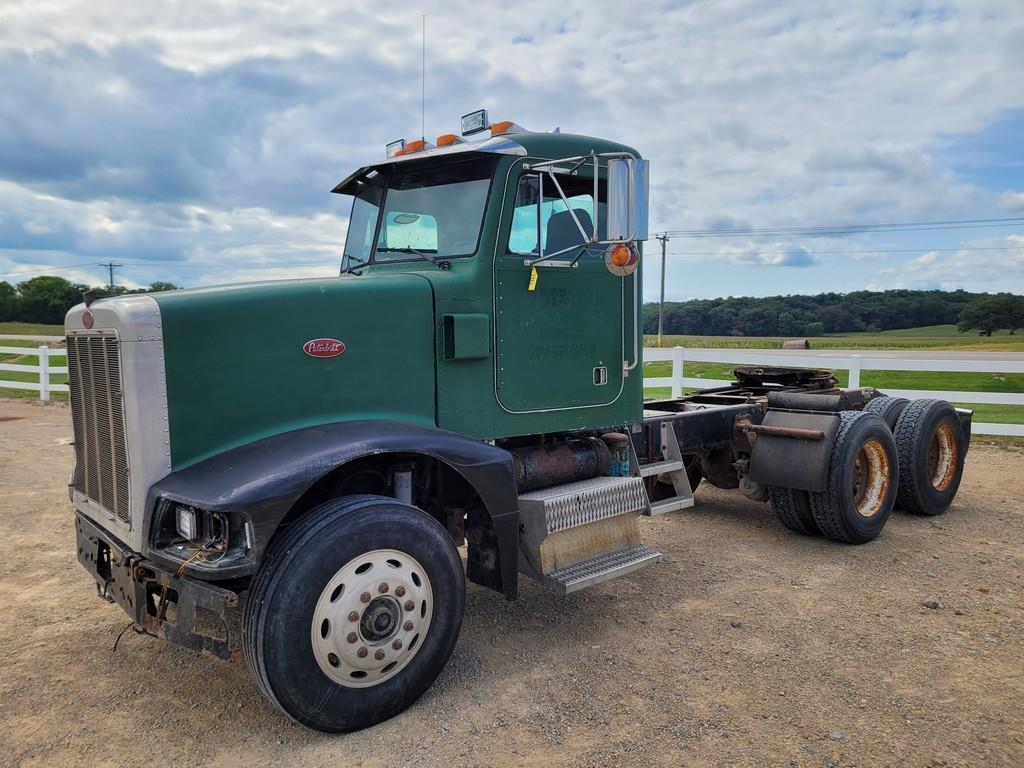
{"x": 547, "y": 146}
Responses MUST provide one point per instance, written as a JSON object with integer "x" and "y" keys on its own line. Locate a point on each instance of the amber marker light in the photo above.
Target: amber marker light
{"x": 505, "y": 126}
{"x": 622, "y": 255}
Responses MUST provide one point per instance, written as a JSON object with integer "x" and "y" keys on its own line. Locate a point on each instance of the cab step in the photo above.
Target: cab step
{"x": 608, "y": 565}
{"x": 670, "y": 466}
{"x": 660, "y": 468}
{"x": 673, "y": 504}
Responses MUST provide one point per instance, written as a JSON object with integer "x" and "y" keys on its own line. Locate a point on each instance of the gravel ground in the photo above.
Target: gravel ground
{"x": 746, "y": 645}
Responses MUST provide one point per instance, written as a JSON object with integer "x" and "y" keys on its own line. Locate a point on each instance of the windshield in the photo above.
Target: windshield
{"x": 402, "y": 213}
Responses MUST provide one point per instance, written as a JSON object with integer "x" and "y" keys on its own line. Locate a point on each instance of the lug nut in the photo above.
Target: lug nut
{"x": 397, "y": 645}
{"x": 379, "y": 655}
{"x": 365, "y": 597}
{"x": 361, "y": 653}
{"x": 353, "y": 616}
{"x": 408, "y": 626}
{"x": 382, "y": 588}
{"x": 399, "y": 591}
{"x": 409, "y": 605}
{"x": 352, "y": 637}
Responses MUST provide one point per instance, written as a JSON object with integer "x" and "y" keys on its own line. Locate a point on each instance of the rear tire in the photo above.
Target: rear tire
{"x": 793, "y": 508}
{"x": 324, "y": 654}
{"x": 889, "y": 408}
{"x": 931, "y": 448}
{"x": 860, "y": 488}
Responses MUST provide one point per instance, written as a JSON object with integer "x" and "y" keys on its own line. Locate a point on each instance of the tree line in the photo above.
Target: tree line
{"x": 806, "y": 315}
{"x": 47, "y": 298}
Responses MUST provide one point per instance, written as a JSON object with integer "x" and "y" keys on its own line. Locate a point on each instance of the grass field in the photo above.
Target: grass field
{"x": 943, "y": 337}
{"x": 29, "y": 329}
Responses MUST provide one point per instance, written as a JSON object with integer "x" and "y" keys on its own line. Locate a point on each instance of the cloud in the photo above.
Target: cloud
{"x": 1012, "y": 201}
{"x": 152, "y": 133}
{"x": 778, "y": 255}
{"x": 992, "y": 264}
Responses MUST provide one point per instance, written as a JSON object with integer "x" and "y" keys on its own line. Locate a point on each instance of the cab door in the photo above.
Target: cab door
{"x": 560, "y": 336}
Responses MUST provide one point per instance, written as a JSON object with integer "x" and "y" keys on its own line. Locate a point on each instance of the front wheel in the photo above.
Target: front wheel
{"x": 354, "y": 612}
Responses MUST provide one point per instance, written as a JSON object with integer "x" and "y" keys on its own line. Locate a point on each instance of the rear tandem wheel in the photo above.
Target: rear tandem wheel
{"x": 931, "y": 447}
{"x": 861, "y": 484}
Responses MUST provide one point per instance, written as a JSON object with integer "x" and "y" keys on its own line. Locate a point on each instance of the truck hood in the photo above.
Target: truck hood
{"x": 245, "y": 362}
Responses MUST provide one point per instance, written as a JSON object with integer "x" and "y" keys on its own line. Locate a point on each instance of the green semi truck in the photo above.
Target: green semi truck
{"x": 306, "y": 472}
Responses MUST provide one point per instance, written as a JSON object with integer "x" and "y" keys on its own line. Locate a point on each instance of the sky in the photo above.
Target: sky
{"x": 197, "y": 143}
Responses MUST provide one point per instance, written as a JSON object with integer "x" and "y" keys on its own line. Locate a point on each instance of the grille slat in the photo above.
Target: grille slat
{"x": 97, "y": 414}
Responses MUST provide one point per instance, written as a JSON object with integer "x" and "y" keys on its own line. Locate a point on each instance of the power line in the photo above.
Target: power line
{"x": 851, "y": 229}
{"x": 875, "y": 250}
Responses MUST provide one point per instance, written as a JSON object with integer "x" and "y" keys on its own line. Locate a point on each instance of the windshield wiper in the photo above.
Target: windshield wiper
{"x": 351, "y": 268}
{"x": 425, "y": 256}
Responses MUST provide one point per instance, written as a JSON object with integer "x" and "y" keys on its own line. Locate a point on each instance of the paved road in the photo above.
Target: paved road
{"x": 924, "y": 354}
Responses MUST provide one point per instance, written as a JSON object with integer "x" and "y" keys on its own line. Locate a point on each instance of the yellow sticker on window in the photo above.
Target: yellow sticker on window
{"x": 533, "y": 279}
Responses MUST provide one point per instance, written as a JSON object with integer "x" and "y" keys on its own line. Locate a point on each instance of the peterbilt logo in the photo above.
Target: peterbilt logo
{"x": 323, "y": 347}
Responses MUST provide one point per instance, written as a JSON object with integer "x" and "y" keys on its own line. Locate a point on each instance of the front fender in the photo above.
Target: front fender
{"x": 263, "y": 480}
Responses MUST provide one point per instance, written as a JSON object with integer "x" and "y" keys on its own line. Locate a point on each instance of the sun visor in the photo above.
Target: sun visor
{"x": 500, "y": 145}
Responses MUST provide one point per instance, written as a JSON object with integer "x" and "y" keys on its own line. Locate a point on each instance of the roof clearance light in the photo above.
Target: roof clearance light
{"x": 414, "y": 146}
{"x": 475, "y": 122}
{"x": 395, "y": 147}
{"x": 506, "y": 126}
{"x": 448, "y": 139}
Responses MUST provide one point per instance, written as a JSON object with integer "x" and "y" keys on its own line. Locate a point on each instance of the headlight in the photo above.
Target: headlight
{"x": 185, "y": 522}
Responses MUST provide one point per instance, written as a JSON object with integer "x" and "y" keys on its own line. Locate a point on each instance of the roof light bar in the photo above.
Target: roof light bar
{"x": 395, "y": 147}
{"x": 475, "y": 122}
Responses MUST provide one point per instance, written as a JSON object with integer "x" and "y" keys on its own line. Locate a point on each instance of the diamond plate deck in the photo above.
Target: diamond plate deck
{"x": 585, "y": 501}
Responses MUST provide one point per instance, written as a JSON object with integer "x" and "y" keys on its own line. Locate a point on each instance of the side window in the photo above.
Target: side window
{"x": 409, "y": 230}
{"x": 550, "y": 220}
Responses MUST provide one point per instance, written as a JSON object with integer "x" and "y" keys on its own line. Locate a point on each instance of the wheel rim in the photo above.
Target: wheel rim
{"x": 942, "y": 457}
{"x": 870, "y": 478}
{"x": 371, "y": 618}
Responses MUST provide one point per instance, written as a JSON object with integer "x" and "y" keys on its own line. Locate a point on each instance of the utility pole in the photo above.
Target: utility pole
{"x": 110, "y": 268}
{"x": 661, "y": 305}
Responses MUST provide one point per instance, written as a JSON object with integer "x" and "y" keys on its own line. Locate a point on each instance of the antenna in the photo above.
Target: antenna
{"x": 423, "y": 82}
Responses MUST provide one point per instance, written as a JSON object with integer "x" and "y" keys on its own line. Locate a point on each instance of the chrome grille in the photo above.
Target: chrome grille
{"x": 97, "y": 412}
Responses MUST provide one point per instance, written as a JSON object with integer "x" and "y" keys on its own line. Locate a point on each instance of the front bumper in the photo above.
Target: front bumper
{"x": 183, "y": 610}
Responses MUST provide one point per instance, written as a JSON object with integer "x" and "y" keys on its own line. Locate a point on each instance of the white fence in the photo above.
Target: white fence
{"x": 854, "y": 363}
{"x": 678, "y": 356}
{"x": 42, "y": 370}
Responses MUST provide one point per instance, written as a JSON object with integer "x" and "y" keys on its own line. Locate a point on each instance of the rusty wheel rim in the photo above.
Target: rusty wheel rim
{"x": 942, "y": 457}
{"x": 870, "y": 478}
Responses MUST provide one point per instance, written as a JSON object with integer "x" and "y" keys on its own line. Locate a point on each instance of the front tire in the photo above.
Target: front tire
{"x": 354, "y": 612}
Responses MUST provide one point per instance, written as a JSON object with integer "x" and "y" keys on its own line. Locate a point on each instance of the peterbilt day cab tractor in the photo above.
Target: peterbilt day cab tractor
{"x": 287, "y": 470}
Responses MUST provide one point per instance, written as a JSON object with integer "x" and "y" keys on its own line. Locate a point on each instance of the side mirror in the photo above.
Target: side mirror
{"x": 627, "y": 193}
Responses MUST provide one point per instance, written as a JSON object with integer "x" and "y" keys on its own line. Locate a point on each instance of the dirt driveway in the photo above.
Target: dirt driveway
{"x": 747, "y": 645}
